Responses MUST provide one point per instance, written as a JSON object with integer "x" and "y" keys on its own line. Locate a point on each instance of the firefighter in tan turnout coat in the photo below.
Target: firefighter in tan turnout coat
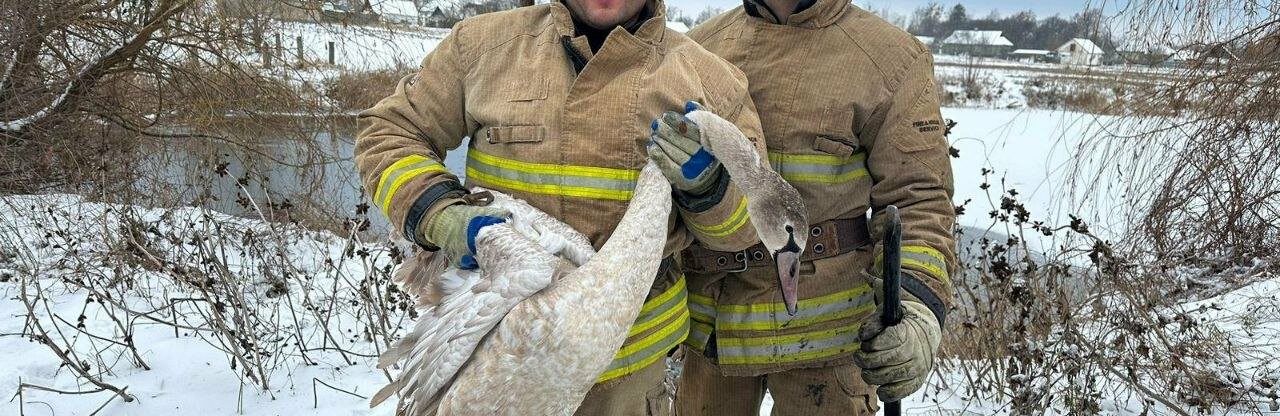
{"x": 851, "y": 118}
{"x": 560, "y": 101}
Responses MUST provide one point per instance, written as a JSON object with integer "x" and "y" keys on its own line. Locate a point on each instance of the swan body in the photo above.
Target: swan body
{"x": 530, "y": 332}
{"x": 530, "y": 321}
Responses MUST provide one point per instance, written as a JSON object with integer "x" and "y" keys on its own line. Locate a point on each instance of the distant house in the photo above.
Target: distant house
{"x": 1081, "y": 52}
{"x": 677, "y": 26}
{"x": 929, "y": 42}
{"x": 396, "y": 11}
{"x": 978, "y": 43}
{"x": 1031, "y": 56}
{"x": 434, "y": 16}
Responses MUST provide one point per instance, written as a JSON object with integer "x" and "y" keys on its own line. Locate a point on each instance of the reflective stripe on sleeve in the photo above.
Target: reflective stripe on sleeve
{"x": 924, "y": 259}
{"x": 667, "y": 315}
{"x": 731, "y": 225}
{"x": 399, "y": 173}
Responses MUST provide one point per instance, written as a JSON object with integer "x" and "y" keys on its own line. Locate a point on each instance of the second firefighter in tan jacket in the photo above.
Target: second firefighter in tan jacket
{"x": 851, "y": 118}
{"x": 559, "y": 112}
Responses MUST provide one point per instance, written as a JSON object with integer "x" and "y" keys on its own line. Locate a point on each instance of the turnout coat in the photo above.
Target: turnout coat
{"x": 850, "y": 114}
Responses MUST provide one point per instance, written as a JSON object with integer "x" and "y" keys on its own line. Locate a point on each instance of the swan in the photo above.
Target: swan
{"x": 531, "y": 331}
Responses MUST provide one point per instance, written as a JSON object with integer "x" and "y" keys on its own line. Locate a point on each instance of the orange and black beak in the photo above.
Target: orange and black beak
{"x": 788, "y": 261}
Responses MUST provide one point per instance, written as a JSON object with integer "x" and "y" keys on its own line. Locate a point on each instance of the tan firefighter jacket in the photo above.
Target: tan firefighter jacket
{"x": 850, "y": 115}
{"x": 569, "y": 143}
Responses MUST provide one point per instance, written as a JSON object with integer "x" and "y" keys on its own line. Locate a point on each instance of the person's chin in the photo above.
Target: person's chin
{"x": 605, "y": 20}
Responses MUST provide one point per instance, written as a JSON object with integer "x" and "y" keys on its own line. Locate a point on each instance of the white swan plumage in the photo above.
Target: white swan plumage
{"x": 532, "y": 330}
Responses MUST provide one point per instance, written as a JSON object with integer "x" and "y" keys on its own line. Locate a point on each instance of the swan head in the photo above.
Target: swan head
{"x": 775, "y": 207}
{"x": 778, "y": 215}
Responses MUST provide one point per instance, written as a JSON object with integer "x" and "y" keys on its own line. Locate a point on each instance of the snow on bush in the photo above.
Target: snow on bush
{"x": 145, "y": 311}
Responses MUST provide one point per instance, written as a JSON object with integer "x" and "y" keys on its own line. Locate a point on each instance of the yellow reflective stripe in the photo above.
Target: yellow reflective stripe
{"x": 790, "y": 358}
{"x": 701, "y": 317}
{"x": 824, "y": 169}
{"x": 728, "y": 325}
{"x": 702, "y": 300}
{"x": 646, "y": 323}
{"x": 788, "y": 348}
{"x": 828, "y": 160}
{"x": 675, "y": 289}
{"x": 653, "y": 338}
{"x": 653, "y": 343}
{"x": 826, "y": 179}
{"x": 554, "y": 169}
{"x": 804, "y": 303}
{"x": 699, "y": 334}
{"x": 549, "y": 189}
{"x": 399, "y": 173}
{"x": 551, "y": 179}
{"x": 922, "y": 258}
{"x": 734, "y": 223}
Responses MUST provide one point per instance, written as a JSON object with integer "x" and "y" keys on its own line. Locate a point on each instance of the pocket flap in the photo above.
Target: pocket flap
{"x": 833, "y": 146}
{"x": 515, "y": 134}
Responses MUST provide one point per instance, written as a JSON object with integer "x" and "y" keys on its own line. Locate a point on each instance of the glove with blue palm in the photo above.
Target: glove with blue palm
{"x": 676, "y": 148}
{"x": 454, "y": 230}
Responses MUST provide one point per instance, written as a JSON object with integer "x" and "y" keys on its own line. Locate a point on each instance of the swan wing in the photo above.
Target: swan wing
{"x": 512, "y": 268}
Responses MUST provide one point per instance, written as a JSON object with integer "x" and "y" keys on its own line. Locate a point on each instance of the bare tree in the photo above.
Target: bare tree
{"x": 87, "y": 78}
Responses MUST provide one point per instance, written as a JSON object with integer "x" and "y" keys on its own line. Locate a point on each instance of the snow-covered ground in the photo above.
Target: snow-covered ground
{"x": 189, "y": 373}
{"x": 359, "y": 47}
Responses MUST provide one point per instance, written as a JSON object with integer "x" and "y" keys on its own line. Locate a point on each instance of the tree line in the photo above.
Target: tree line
{"x": 1023, "y": 28}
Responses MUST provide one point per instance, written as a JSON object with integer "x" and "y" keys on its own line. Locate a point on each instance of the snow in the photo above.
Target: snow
{"x": 361, "y": 48}
{"x": 1026, "y": 150}
{"x": 677, "y": 26}
{"x": 189, "y": 374}
{"x": 977, "y": 37}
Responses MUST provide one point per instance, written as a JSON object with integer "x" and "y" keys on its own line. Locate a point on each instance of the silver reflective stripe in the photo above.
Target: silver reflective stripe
{"x": 394, "y": 176}
{"x": 702, "y": 311}
{"x": 791, "y": 348}
{"x": 931, "y": 264}
{"x": 553, "y": 179}
{"x": 819, "y": 168}
{"x": 699, "y": 333}
{"x": 807, "y": 315}
{"x": 657, "y": 348}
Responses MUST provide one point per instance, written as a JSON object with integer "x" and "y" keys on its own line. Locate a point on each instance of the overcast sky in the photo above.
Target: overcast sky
{"x": 977, "y": 8}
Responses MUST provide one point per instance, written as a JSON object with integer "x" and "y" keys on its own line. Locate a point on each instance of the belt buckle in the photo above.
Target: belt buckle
{"x": 746, "y": 259}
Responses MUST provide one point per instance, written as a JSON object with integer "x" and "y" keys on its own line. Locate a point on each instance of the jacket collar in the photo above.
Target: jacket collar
{"x": 650, "y": 31}
{"x": 811, "y": 14}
